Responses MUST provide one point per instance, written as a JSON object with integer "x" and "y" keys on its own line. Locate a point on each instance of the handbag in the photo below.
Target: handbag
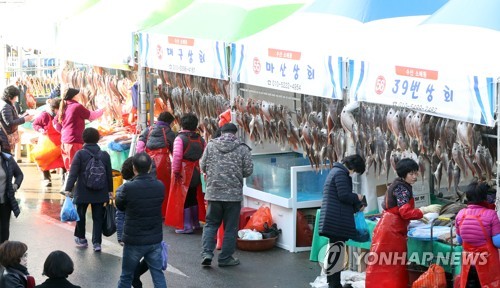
{"x": 109, "y": 223}
{"x": 10, "y": 139}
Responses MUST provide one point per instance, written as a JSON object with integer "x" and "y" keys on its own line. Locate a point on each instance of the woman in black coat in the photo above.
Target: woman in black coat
{"x": 83, "y": 195}
{"x": 8, "y": 203}
{"x": 14, "y": 259}
{"x": 58, "y": 266}
{"x": 9, "y": 119}
{"x": 337, "y": 212}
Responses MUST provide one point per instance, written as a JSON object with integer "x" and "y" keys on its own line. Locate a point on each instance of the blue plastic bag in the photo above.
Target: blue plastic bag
{"x": 68, "y": 211}
{"x": 164, "y": 255}
{"x": 361, "y": 227}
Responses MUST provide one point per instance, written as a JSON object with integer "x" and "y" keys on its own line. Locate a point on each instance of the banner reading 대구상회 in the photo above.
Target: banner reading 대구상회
{"x": 200, "y": 57}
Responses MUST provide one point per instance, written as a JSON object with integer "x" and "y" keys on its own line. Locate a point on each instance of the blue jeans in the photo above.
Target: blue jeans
{"x": 132, "y": 255}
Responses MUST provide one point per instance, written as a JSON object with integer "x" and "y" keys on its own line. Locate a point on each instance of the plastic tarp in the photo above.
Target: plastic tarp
{"x": 103, "y": 35}
{"x": 195, "y": 39}
{"x": 304, "y": 53}
{"x": 447, "y": 65}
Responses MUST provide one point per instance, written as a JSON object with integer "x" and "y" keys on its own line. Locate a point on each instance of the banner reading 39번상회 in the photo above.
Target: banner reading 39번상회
{"x": 443, "y": 92}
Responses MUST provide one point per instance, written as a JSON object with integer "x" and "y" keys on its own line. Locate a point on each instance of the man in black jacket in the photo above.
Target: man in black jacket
{"x": 141, "y": 200}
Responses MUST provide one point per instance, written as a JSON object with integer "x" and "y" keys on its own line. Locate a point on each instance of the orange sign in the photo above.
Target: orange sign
{"x": 277, "y": 53}
{"x": 180, "y": 41}
{"x": 416, "y": 73}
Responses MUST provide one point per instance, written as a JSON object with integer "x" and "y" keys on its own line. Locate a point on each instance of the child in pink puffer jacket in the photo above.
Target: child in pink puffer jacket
{"x": 478, "y": 230}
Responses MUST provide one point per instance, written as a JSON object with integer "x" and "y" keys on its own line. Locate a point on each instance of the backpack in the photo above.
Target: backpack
{"x": 95, "y": 172}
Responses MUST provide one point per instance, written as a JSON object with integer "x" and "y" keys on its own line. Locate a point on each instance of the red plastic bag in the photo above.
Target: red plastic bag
{"x": 434, "y": 277}
{"x": 257, "y": 220}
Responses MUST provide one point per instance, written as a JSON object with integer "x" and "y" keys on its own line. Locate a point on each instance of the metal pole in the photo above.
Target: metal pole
{"x": 142, "y": 97}
{"x": 497, "y": 91}
{"x": 151, "y": 100}
{"x": 143, "y": 119}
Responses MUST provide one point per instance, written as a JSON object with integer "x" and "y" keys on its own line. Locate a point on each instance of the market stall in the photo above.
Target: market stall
{"x": 307, "y": 80}
{"x": 192, "y": 60}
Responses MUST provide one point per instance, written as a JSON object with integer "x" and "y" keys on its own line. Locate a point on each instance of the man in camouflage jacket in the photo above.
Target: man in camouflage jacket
{"x": 226, "y": 161}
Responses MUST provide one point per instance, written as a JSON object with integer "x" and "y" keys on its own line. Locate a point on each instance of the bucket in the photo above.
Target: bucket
{"x": 117, "y": 180}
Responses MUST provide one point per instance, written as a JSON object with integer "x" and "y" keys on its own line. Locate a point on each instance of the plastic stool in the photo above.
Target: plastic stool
{"x": 318, "y": 247}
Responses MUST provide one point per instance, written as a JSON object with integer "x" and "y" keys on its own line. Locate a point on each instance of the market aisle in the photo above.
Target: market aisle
{"x": 40, "y": 228}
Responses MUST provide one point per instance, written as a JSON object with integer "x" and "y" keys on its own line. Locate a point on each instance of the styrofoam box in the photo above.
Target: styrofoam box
{"x": 380, "y": 200}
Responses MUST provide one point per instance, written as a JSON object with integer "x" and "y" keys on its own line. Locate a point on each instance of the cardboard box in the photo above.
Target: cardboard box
{"x": 421, "y": 194}
{"x": 380, "y": 190}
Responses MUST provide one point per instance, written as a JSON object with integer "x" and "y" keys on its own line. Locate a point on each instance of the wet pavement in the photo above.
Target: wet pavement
{"x": 40, "y": 228}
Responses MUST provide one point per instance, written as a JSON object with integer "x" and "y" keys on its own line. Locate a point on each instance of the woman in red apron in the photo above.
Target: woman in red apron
{"x": 478, "y": 229}
{"x": 43, "y": 124}
{"x": 185, "y": 207}
{"x": 389, "y": 235}
{"x": 158, "y": 142}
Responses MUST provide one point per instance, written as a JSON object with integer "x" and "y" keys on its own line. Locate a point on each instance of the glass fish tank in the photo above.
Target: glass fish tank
{"x": 273, "y": 174}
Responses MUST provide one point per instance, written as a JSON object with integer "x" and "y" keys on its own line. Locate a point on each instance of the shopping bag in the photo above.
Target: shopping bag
{"x": 434, "y": 277}
{"x": 164, "y": 255}
{"x": 257, "y": 220}
{"x": 363, "y": 234}
{"x": 109, "y": 223}
{"x": 68, "y": 211}
{"x": 45, "y": 152}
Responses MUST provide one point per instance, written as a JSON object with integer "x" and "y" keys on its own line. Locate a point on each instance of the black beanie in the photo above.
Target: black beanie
{"x": 229, "y": 128}
{"x": 71, "y": 93}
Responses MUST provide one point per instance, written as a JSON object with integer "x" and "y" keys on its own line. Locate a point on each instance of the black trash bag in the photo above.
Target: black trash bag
{"x": 270, "y": 232}
{"x": 109, "y": 224}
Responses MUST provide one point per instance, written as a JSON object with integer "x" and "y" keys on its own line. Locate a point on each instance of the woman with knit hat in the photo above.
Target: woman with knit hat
{"x": 70, "y": 121}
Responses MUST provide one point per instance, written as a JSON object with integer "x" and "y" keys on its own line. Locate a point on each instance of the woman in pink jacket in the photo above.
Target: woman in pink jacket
{"x": 71, "y": 123}
{"x": 478, "y": 230}
{"x": 186, "y": 206}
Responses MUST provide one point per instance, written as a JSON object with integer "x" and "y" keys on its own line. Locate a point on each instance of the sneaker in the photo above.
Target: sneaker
{"x": 207, "y": 261}
{"x": 97, "y": 247}
{"x": 81, "y": 242}
{"x": 231, "y": 261}
{"x": 184, "y": 231}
